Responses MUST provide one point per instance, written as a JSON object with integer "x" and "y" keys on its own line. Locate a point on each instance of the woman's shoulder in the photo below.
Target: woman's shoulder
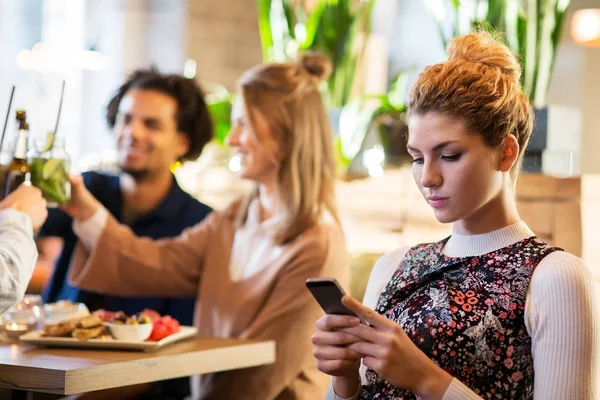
{"x": 561, "y": 274}
{"x": 319, "y": 251}
{"x": 561, "y": 301}
{"x": 233, "y": 208}
{"x": 217, "y": 221}
{"x": 224, "y": 217}
{"x": 560, "y": 265}
{"x": 386, "y": 264}
{"x": 381, "y": 273}
{"x": 393, "y": 257}
{"x": 325, "y": 236}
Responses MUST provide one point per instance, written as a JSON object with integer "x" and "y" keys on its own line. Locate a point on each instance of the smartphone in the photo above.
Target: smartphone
{"x": 328, "y": 293}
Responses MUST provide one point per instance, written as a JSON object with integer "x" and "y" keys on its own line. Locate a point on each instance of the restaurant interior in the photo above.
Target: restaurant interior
{"x": 71, "y": 55}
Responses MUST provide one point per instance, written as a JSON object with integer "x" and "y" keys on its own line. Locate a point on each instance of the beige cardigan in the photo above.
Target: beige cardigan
{"x": 272, "y": 304}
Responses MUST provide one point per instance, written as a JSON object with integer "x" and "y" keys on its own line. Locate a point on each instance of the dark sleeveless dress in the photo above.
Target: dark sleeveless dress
{"x": 467, "y": 315}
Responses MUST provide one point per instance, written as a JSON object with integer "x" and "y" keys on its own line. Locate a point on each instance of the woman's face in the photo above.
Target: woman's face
{"x": 459, "y": 175}
{"x": 256, "y": 147}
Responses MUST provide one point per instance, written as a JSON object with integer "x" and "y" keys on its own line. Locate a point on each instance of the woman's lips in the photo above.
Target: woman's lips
{"x": 437, "y": 202}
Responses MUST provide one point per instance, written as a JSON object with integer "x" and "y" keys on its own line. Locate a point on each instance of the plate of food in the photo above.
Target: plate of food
{"x": 102, "y": 329}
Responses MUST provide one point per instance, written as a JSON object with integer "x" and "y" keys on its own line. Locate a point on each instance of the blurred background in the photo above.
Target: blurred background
{"x": 378, "y": 48}
{"x": 93, "y": 44}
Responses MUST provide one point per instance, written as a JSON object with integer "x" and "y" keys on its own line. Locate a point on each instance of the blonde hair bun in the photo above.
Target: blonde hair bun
{"x": 483, "y": 48}
{"x": 316, "y": 64}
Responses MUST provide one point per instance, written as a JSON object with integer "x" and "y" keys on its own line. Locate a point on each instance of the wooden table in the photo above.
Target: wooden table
{"x": 69, "y": 371}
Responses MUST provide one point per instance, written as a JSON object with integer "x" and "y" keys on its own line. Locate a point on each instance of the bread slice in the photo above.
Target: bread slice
{"x": 89, "y": 322}
{"x": 59, "y": 330}
{"x": 88, "y": 333}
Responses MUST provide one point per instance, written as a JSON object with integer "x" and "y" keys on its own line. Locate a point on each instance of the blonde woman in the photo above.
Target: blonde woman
{"x": 492, "y": 311}
{"x": 248, "y": 263}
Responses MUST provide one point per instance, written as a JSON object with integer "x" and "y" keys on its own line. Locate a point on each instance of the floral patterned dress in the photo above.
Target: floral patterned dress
{"x": 467, "y": 315}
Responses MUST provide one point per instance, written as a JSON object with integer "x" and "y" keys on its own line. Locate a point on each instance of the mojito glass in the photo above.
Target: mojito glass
{"x": 50, "y": 172}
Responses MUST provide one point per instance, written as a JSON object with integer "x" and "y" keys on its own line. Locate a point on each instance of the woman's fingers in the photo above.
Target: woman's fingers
{"x": 335, "y": 353}
{"x": 371, "y": 317}
{"x": 331, "y": 322}
{"x": 363, "y": 332}
{"x": 366, "y": 349}
{"x": 335, "y": 338}
{"x": 339, "y": 367}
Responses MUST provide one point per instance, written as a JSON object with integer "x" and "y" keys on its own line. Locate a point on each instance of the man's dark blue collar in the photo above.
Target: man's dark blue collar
{"x": 172, "y": 204}
{"x": 169, "y": 208}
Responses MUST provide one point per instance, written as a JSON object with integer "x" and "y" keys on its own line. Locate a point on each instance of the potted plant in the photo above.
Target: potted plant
{"x": 532, "y": 29}
{"x": 389, "y": 120}
{"x": 336, "y": 29}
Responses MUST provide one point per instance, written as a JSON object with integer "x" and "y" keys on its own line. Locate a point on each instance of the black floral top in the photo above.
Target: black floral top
{"x": 467, "y": 315}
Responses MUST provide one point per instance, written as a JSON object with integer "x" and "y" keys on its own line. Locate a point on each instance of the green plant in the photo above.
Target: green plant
{"x": 389, "y": 119}
{"x": 531, "y": 28}
{"x": 382, "y": 111}
{"x": 392, "y": 103}
{"x": 220, "y": 102}
{"x": 335, "y": 28}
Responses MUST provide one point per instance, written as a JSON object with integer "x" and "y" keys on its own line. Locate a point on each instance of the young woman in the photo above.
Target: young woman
{"x": 491, "y": 311}
{"x": 247, "y": 264}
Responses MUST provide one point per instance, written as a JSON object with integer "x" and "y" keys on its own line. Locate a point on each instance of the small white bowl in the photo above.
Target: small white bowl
{"x": 130, "y": 333}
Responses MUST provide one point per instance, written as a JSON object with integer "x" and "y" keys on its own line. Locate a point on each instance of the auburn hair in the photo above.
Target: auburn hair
{"x": 480, "y": 85}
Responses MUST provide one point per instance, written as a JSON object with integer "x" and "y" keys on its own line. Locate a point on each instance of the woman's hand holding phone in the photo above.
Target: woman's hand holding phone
{"x": 342, "y": 340}
{"x": 331, "y": 350}
{"x": 333, "y": 355}
{"x": 387, "y": 349}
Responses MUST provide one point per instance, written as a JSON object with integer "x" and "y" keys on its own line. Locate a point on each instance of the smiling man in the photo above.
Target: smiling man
{"x": 157, "y": 120}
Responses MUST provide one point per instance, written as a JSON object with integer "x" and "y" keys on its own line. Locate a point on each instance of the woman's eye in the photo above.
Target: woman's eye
{"x": 451, "y": 158}
{"x": 417, "y": 161}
